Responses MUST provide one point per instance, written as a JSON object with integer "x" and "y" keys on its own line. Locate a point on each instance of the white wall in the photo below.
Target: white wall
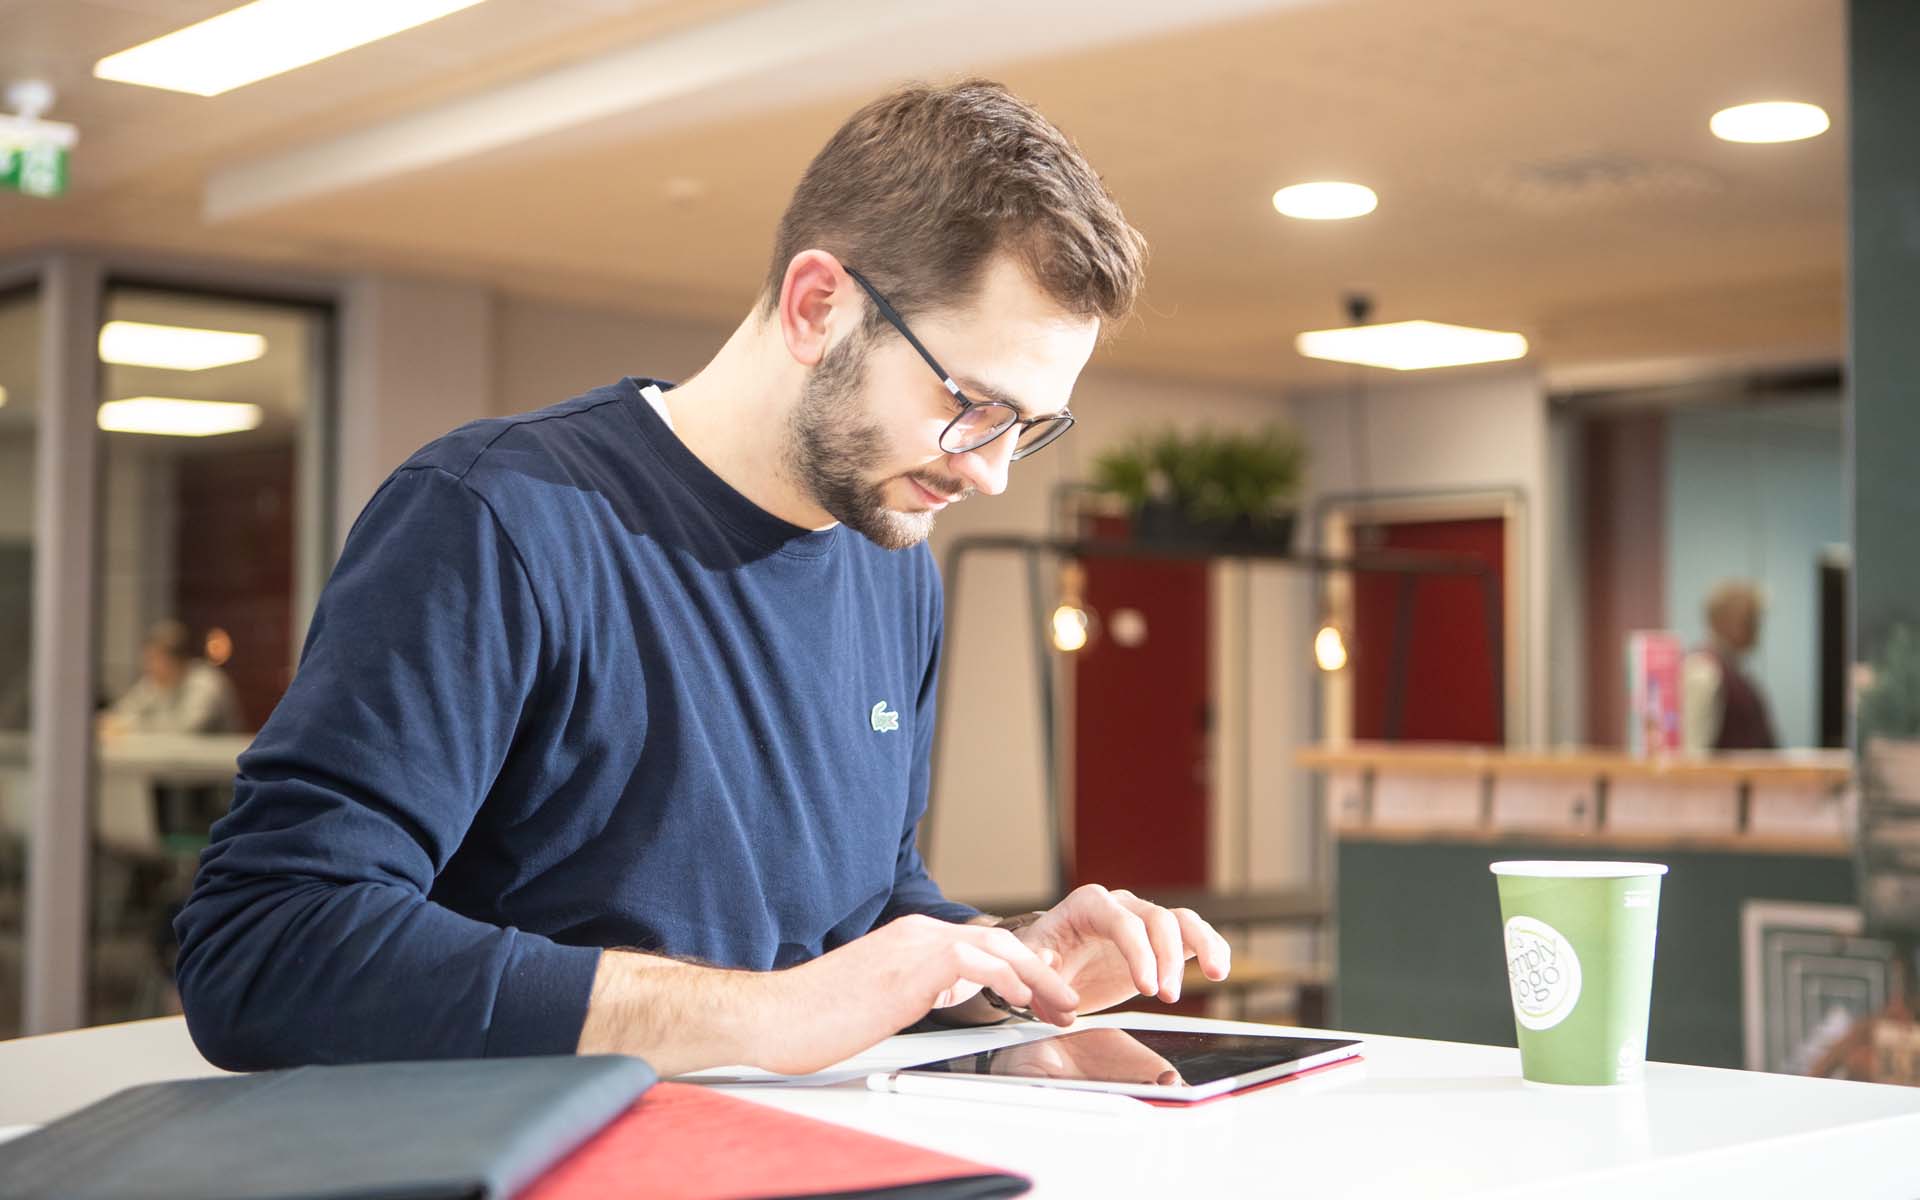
{"x": 544, "y": 353}
{"x": 416, "y": 361}
{"x": 1566, "y": 584}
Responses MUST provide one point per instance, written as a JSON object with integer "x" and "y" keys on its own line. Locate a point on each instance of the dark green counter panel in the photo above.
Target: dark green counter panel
{"x": 1419, "y": 945}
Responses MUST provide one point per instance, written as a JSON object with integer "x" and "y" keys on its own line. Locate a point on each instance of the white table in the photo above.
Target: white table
{"x": 130, "y": 764}
{"x": 1425, "y": 1119}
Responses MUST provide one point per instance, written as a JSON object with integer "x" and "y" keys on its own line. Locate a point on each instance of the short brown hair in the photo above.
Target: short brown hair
{"x": 921, "y": 187}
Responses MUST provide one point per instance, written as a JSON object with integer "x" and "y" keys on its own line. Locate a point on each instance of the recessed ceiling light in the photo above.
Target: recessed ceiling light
{"x": 249, "y": 43}
{"x": 1411, "y": 345}
{"x": 682, "y": 189}
{"x": 1770, "y": 121}
{"x": 177, "y": 418}
{"x": 176, "y": 347}
{"x": 1325, "y": 201}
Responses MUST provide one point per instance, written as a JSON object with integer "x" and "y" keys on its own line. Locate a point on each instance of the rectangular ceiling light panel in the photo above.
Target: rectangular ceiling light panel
{"x": 176, "y": 347}
{"x": 173, "y": 417}
{"x": 250, "y": 43}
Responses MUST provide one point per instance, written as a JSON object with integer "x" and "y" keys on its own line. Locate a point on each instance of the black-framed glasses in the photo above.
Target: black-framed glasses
{"x": 979, "y": 421}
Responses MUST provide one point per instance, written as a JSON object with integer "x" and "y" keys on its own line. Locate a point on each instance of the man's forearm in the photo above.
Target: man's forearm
{"x": 678, "y": 1016}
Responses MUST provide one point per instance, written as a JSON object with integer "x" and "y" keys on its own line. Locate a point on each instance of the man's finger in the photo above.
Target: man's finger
{"x": 976, "y": 965}
{"x": 1163, "y": 932}
{"x": 1128, "y": 933}
{"x": 1206, "y": 944}
{"x": 1052, "y": 996}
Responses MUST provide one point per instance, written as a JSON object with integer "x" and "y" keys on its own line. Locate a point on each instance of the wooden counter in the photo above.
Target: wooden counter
{"x": 1812, "y": 767}
{"x": 1792, "y": 802}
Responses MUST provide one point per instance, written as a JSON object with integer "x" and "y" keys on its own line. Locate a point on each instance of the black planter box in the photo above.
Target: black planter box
{"x": 1159, "y": 523}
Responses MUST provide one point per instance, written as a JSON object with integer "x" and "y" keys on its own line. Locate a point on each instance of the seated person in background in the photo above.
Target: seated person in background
{"x": 175, "y": 693}
{"x": 1724, "y": 707}
{"x": 611, "y": 729}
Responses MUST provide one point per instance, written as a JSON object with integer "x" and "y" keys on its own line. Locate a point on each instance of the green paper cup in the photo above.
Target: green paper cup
{"x": 1579, "y": 949}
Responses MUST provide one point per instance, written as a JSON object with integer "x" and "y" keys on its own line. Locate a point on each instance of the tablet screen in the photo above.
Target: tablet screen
{"x": 1147, "y": 1057}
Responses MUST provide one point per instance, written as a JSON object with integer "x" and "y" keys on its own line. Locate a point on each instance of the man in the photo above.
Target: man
{"x": 611, "y": 729}
{"x": 1724, "y": 708}
{"x": 176, "y": 692}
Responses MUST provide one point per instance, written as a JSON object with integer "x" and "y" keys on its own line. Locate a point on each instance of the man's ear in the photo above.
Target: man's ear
{"x": 816, "y": 295}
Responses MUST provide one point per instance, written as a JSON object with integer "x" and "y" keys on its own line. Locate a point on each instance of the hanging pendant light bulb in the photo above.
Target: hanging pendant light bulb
{"x": 1070, "y": 629}
{"x": 1072, "y": 624}
{"x": 1330, "y": 647}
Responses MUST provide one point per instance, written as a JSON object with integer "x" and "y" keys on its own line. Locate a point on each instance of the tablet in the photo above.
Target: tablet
{"x": 1150, "y": 1064}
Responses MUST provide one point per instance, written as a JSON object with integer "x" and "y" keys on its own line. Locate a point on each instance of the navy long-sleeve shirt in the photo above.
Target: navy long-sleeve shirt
{"x": 565, "y": 690}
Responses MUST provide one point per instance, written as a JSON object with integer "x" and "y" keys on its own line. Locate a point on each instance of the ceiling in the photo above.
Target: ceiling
{"x": 1541, "y": 167}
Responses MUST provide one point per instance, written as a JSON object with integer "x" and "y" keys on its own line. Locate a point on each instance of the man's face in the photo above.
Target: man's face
{"x": 866, "y": 433}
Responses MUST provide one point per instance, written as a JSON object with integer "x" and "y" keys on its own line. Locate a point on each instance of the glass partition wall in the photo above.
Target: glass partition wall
{"x": 19, "y": 400}
{"x": 165, "y": 495}
{"x": 207, "y": 406}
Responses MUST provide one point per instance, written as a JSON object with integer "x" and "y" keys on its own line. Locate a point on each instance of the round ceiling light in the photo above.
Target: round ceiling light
{"x": 1770, "y": 121}
{"x": 1325, "y": 201}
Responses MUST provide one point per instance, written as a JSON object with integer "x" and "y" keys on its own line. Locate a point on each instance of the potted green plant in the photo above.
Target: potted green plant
{"x": 1236, "y": 490}
{"x": 1888, "y": 725}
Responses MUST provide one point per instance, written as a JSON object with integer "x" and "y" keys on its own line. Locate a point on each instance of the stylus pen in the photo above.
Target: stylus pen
{"x": 1005, "y": 1093}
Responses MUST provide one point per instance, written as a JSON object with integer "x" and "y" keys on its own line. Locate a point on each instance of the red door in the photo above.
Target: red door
{"x": 1140, "y": 728}
{"x": 1448, "y": 693}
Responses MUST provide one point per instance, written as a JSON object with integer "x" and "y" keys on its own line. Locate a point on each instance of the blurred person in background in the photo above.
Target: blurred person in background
{"x": 1724, "y": 708}
{"x": 175, "y": 693}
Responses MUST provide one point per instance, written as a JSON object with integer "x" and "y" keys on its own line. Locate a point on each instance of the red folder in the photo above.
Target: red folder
{"x": 685, "y": 1142}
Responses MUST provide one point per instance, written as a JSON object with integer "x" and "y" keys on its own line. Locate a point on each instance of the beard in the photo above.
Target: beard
{"x": 835, "y": 446}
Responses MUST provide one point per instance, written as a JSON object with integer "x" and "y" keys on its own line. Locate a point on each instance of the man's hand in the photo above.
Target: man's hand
{"x": 849, "y": 999}
{"x": 1113, "y": 946}
{"x": 683, "y": 1017}
{"x": 1091, "y": 951}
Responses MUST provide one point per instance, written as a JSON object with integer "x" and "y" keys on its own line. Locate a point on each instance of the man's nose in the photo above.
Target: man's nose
{"x": 986, "y": 468}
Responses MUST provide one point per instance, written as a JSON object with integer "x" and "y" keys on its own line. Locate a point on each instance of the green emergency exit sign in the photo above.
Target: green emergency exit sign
{"x": 39, "y": 169}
